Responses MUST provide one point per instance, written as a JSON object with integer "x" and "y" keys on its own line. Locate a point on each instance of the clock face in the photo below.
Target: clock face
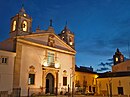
{"x": 24, "y": 26}
{"x": 14, "y": 26}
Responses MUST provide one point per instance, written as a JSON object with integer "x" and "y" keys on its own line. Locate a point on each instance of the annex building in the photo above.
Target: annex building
{"x": 31, "y": 62}
{"x": 116, "y": 82}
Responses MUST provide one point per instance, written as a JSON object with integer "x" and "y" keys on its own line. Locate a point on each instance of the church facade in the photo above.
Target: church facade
{"x": 42, "y": 61}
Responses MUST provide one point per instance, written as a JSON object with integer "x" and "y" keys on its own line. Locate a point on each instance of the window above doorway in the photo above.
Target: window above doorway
{"x": 51, "y": 60}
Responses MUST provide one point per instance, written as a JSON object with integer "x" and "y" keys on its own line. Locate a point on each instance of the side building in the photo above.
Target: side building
{"x": 6, "y": 71}
{"x": 116, "y": 82}
{"x": 85, "y": 80}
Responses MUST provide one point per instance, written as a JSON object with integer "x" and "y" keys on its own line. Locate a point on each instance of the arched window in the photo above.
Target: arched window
{"x": 70, "y": 41}
{"x": 14, "y": 26}
{"x": 31, "y": 76}
{"x": 24, "y": 26}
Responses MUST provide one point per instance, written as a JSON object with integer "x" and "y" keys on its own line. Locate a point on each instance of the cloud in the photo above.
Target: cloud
{"x": 121, "y": 40}
{"x": 103, "y": 69}
{"x": 104, "y": 66}
{"x": 108, "y": 64}
{"x": 96, "y": 47}
{"x": 104, "y": 44}
{"x": 101, "y": 64}
{"x": 121, "y": 36}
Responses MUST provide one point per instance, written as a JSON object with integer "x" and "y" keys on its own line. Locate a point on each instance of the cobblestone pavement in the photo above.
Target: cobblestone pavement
{"x": 83, "y": 96}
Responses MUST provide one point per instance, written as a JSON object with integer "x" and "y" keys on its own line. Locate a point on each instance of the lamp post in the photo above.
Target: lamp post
{"x": 71, "y": 76}
{"x": 28, "y": 91}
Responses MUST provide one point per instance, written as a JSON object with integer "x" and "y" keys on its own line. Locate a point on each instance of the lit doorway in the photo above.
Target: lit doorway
{"x": 50, "y": 83}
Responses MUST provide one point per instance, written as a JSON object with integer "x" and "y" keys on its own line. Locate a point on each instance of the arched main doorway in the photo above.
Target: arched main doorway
{"x": 50, "y": 83}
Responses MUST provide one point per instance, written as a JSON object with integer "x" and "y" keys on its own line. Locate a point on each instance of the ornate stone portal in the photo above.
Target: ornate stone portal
{"x": 50, "y": 81}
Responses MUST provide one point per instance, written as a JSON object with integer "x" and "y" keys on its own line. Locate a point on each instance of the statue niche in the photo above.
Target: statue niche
{"x": 51, "y": 41}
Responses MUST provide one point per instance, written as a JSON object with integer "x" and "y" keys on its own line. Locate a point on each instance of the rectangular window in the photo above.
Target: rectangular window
{"x": 64, "y": 81}
{"x": 128, "y": 67}
{"x": 50, "y": 59}
{"x": 3, "y": 60}
{"x": 31, "y": 79}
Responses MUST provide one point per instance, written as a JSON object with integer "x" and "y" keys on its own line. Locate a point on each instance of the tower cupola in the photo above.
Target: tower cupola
{"x": 21, "y": 24}
{"x": 118, "y": 57}
{"x": 67, "y": 36}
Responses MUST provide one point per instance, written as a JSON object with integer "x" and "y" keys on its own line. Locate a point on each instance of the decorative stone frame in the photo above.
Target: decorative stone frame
{"x": 31, "y": 71}
{"x": 51, "y": 41}
{"x": 54, "y": 72}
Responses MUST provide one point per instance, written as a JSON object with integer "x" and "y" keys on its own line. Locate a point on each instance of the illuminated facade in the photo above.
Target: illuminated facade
{"x": 116, "y": 82}
{"x": 85, "y": 80}
{"x": 44, "y": 62}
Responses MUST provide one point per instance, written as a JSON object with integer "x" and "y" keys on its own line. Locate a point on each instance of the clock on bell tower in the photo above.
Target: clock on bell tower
{"x": 21, "y": 24}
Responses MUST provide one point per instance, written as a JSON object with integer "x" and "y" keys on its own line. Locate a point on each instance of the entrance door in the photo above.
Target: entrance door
{"x": 47, "y": 85}
{"x": 120, "y": 90}
{"x": 50, "y": 83}
{"x": 94, "y": 90}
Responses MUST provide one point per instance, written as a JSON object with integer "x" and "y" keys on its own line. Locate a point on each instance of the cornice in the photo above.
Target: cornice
{"x": 47, "y": 47}
{"x": 47, "y": 33}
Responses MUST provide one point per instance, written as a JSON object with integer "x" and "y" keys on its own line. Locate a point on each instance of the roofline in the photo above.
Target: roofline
{"x": 7, "y": 51}
{"x": 87, "y": 72}
{"x": 114, "y": 74}
{"x": 41, "y": 34}
{"x": 44, "y": 46}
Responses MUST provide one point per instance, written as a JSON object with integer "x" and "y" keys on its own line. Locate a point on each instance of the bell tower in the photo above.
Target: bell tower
{"x": 118, "y": 57}
{"x": 21, "y": 24}
{"x": 67, "y": 36}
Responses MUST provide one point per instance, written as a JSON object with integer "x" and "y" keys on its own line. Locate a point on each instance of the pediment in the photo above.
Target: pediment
{"x": 48, "y": 39}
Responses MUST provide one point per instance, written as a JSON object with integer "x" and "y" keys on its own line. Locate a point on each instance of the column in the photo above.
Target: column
{"x": 56, "y": 82}
{"x": 43, "y": 81}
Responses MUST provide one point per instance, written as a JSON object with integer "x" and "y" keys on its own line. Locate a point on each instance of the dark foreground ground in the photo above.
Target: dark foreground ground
{"x": 84, "y": 96}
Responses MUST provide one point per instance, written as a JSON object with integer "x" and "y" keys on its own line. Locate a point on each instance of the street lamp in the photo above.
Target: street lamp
{"x": 71, "y": 76}
{"x": 57, "y": 64}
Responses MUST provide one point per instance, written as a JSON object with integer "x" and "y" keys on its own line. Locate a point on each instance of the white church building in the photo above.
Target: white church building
{"x": 36, "y": 62}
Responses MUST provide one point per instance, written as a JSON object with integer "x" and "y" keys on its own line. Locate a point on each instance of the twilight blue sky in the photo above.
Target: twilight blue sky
{"x": 100, "y": 26}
